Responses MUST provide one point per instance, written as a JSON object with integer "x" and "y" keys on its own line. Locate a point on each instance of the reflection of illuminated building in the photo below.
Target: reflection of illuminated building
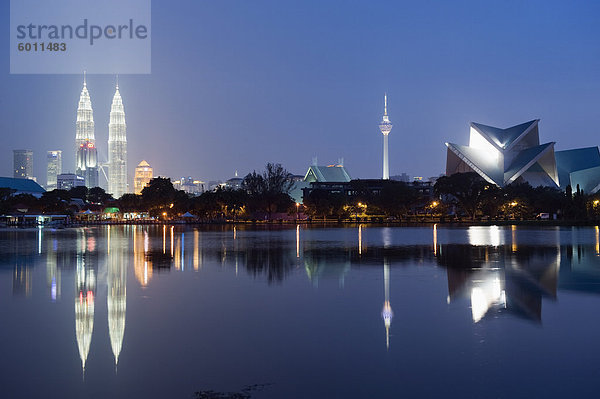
{"x": 322, "y": 267}
{"x": 21, "y": 280}
{"x": 117, "y": 292}
{"x": 86, "y": 292}
{"x": 53, "y": 279}
{"x": 386, "y": 312}
{"x": 500, "y": 279}
{"x": 485, "y": 235}
{"x": 142, "y": 266}
{"x": 487, "y": 291}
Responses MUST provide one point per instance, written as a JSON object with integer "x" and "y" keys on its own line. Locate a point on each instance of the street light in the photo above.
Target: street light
{"x": 297, "y": 206}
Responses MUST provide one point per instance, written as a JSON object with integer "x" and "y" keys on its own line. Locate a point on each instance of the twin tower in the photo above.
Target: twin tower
{"x": 86, "y": 152}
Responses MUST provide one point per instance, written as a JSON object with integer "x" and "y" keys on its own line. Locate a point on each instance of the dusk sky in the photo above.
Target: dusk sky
{"x": 237, "y": 84}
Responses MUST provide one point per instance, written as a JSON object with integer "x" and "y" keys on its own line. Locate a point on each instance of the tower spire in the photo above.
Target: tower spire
{"x": 117, "y": 81}
{"x": 84, "y": 82}
{"x": 385, "y": 104}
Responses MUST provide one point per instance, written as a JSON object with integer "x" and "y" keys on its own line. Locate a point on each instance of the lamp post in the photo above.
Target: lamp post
{"x": 297, "y": 206}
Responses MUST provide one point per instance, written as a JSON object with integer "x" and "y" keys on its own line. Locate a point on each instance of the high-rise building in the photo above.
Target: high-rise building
{"x": 189, "y": 185}
{"x": 117, "y": 148}
{"x": 143, "y": 175}
{"x": 54, "y": 169}
{"x": 386, "y": 127}
{"x": 23, "y": 164}
{"x": 66, "y": 181}
{"x": 86, "y": 155}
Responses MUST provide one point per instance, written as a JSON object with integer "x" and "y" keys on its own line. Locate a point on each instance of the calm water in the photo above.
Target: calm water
{"x": 153, "y": 312}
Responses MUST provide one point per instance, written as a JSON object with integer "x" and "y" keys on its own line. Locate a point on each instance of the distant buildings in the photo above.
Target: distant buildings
{"x": 504, "y": 156}
{"x": 54, "y": 168}
{"x": 402, "y": 177}
{"x": 335, "y": 173}
{"x": 23, "y": 164}
{"x": 143, "y": 175}
{"x": 235, "y": 183}
{"x": 67, "y": 181}
{"x": 86, "y": 153}
{"x": 189, "y": 185}
{"x": 330, "y": 173}
{"x": 117, "y": 148}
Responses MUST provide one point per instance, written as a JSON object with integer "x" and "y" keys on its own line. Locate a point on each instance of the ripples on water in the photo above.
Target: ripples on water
{"x": 362, "y": 311}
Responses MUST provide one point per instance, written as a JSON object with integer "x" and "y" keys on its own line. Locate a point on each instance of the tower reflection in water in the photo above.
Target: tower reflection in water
{"x": 117, "y": 289}
{"x": 387, "y": 313}
{"x": 87, "y": 256}
{"x": 85, "y": 278}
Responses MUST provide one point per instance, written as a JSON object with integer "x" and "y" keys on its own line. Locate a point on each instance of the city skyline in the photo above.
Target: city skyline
{"x": 236, "y": 109}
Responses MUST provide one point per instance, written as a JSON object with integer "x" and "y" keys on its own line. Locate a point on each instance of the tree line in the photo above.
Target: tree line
{"x": 462, "y": 196}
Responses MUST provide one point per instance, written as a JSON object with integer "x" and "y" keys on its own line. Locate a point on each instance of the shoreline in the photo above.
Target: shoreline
{"x": 331, "y": 223}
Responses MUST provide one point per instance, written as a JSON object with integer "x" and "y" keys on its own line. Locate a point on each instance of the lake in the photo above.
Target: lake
{"x": 360, "y": 311}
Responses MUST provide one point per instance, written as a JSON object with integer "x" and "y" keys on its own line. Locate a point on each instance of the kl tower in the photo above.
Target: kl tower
{"x": 386, "y": 127}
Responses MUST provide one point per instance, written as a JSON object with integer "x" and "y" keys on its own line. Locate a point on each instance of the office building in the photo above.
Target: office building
{"x": 143, "y": 175}
{"x": 23, "y": 164}
{"x": 54, "y": 168}
{"x": 66, "y": 181}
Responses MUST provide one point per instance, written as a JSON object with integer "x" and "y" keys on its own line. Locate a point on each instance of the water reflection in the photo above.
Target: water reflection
{"x": 117, "y": 289}
{"x": 386, "y": 312}
{"x": 85, "y": 278}
{"x": 53, "y": 273}
{"x": 494, "y": 273}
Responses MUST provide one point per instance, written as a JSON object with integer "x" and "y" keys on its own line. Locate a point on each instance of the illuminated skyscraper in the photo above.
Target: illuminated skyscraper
{"x": 23, "y": 164}
{"x": 54, "y": 159}
{"x": 86, "y": 155}
{"x": 143, "y": 175}
{"x": 386, "y": 127}
{"x": 117, "y": 148}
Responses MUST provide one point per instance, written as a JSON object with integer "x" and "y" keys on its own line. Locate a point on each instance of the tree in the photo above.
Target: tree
{"x": 158, "y": 195}
{"x": 269, "y": 192}
{"x": 130, "y": 203}
{"x": 80, "y": 192}
{"x": 396, "y": 198}
{"x": 55, "y": 201}
{"x": 97, "y": 195}
{"x": 467, "y": 190}
{"x": 322, "y": 203}
{"x": 5, "y": 199}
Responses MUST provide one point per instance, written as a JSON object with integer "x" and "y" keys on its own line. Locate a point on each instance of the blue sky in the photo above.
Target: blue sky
{"x": 236, "y": 84}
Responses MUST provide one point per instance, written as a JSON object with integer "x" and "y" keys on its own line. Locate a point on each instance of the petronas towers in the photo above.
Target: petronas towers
{"x": 117, "y": 148}
{"x": 86, "y": 152}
